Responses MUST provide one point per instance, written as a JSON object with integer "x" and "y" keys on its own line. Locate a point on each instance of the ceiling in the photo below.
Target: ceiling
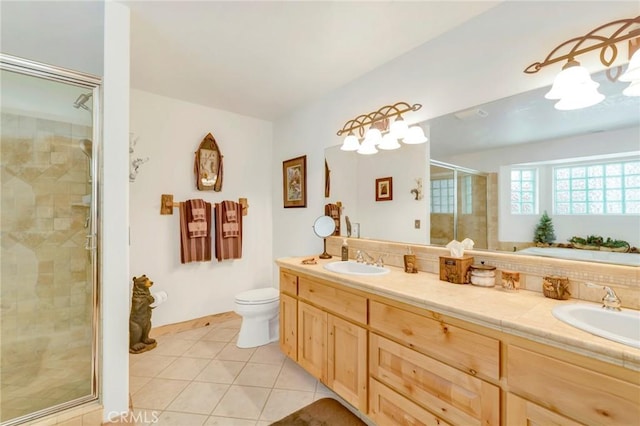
{"x": 265, "y": 58}
{"x": 528, "y": 118}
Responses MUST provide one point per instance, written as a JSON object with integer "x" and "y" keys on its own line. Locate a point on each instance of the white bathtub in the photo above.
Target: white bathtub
{"x": 629, "y": 259}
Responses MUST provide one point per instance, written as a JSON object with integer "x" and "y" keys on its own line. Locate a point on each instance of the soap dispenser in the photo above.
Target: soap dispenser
{"x": 345, "y": 250}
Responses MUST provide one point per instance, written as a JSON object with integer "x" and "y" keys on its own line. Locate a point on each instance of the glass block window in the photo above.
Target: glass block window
{"x": 467, "y": 194}
{"x": 609, "y": 188}
{"x": 442, "y": 196}
{"x": 524, "y": 191}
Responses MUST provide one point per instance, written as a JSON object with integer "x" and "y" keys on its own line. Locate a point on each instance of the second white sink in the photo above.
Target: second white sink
{"x": 622, "y": 327}
{"x": 355, "y": 268}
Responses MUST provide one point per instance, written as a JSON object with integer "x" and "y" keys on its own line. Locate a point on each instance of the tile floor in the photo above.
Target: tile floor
{"x": 199, "y": 377}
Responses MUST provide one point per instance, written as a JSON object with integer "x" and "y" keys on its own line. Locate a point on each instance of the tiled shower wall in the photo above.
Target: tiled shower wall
{"x": 46, "y": 290}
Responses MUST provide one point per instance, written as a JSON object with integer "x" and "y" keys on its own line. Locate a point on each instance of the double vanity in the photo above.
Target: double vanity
{"x": 409, "y": 349}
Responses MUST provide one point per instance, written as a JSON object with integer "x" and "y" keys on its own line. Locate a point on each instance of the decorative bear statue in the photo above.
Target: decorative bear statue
{"x": 140, "y": 318}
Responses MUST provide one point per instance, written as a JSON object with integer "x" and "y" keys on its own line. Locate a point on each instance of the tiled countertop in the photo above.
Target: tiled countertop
{"x": 522, "y": 313}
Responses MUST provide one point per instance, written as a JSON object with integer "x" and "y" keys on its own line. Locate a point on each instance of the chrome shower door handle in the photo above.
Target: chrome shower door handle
{"x": 89, "y": 243}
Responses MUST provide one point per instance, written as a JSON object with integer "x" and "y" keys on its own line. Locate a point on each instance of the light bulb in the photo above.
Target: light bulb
{"x": 389, "y": 142}
{"x": 350, "y": 143}
{"x": 415, "y": 135}
{"x": 373, "y": 135}
{"x": 399, "y": 128}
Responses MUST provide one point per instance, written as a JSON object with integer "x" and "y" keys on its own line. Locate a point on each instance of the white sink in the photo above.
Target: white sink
{"x": 355, "y": 268}
{"x": 622, "y": 327}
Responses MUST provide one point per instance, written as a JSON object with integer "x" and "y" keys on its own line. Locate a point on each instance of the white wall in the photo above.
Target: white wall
{"x": 169, "y": 132}
{"x": 476, "y": 63}
{"x": 114, "y": 266}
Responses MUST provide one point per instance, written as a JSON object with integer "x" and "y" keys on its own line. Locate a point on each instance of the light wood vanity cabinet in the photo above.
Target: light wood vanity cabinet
{"x": 332, "y": 338}
{"x": 561, "y": 386}
{"x": 403, "y": 365}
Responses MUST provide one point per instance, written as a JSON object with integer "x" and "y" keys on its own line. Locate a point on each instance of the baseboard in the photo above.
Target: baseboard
{"x": 194, "y": 323}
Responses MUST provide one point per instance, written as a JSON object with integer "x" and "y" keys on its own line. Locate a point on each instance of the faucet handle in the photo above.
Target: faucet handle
{"x": 610, "y": 300}
{"x": 359, "y": 257}
{"x": 379, "y": 262}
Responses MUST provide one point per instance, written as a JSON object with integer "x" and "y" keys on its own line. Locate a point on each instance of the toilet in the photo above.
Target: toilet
{"x": 259, "y": 311}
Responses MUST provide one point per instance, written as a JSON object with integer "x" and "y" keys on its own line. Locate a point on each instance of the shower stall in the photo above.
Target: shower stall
{"x": 48, "y": 240}
{"x": 458, "y": 204}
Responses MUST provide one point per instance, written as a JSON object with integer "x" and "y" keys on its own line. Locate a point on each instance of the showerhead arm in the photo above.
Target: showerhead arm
{"x": 82, "y": 100}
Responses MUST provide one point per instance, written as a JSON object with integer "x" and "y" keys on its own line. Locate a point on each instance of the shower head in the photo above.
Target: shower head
{"x": 82, "y": 100}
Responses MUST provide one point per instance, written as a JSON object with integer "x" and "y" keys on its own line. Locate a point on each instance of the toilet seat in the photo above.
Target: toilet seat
{"x": 259, "y": 296}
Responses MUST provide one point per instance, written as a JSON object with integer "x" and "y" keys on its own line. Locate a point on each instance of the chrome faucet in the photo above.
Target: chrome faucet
{"x": 610, "y": 300}
{"x": 364, "y": 257}
{"x": 379, "y": 262}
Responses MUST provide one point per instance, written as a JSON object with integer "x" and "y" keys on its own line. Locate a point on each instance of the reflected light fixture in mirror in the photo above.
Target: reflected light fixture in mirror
{"x": 632, "y": 74}
{"x": 573, "y": 86}
{"x": 380, "y": 134}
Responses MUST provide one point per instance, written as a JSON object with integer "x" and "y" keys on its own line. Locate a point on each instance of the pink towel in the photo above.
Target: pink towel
{"x": 194, "y": 249}
{"x": 196, "y": 218}
{"x": 229, "y": 247}
{"x": 230, "y": 226}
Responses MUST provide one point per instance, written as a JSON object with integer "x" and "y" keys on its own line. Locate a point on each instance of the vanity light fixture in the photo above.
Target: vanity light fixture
{"x": 381, "y": 135}
{"x": 573, "y": 86}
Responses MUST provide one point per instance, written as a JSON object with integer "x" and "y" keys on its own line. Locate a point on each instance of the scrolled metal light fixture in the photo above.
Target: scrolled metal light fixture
{"x": 378, "y": 122}
{"x": 573, "y": 86}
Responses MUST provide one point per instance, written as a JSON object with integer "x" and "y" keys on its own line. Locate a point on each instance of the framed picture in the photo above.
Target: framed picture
{"x": 294, "y": 182}
{"x": 384, "y": 189}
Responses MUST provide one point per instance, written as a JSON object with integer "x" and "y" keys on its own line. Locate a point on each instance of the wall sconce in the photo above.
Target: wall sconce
{"x": 378, "y": 122}
{"x": 573, "y": 86}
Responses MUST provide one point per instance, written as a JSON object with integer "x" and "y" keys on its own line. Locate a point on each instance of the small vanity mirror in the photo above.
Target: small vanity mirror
{"x": 324, "y": 227}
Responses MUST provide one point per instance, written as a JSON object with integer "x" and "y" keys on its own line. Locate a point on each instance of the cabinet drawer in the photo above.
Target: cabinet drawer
{"x": 288, "y": 282}
{"x": 388, "y": 408}
{"x": 344, "y": 303}
{"x": 456, "y": 396}
{"x": 579, "y": 393}
{"x": 463, "y": 349}
{"x": 523, "y": 412}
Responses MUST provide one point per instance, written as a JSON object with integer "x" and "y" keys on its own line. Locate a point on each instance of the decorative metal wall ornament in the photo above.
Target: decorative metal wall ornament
{"x": 135, "y": 163}
{"x": 593, "y": 40}
{"x": 208, "y": 165}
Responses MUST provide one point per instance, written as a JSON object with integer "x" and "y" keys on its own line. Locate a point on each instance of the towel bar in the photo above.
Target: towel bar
{"x": 167, "y": 204}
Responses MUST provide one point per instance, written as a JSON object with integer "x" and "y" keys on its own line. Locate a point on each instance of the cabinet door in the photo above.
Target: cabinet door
{"x": 523, "y": 412}
{"x": 347, "y": 361}
{"x": 289, "y": 326}
{"x": 312, "y": 340}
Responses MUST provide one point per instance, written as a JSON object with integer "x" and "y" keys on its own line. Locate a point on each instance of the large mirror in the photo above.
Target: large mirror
{"x": 486, "y": 145}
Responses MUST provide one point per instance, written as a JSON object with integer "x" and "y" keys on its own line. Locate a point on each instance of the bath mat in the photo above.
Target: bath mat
{"x": 323, "y": 412}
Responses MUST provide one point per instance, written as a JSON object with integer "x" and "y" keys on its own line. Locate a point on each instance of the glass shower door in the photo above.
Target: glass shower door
{"x": 48, "y": 298}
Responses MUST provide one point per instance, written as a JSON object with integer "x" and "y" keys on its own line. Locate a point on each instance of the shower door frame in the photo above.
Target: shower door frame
{"x": 93, "y": 83}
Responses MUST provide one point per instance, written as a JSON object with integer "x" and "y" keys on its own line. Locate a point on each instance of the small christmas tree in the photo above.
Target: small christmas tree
{"x": 544, "y": 231}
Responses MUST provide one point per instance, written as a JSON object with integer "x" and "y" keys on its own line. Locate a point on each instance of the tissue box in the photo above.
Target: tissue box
{"x": 455, "y": 269}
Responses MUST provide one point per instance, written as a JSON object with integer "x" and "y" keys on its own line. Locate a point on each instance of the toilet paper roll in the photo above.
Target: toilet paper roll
{"x": 159, "y": 297}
